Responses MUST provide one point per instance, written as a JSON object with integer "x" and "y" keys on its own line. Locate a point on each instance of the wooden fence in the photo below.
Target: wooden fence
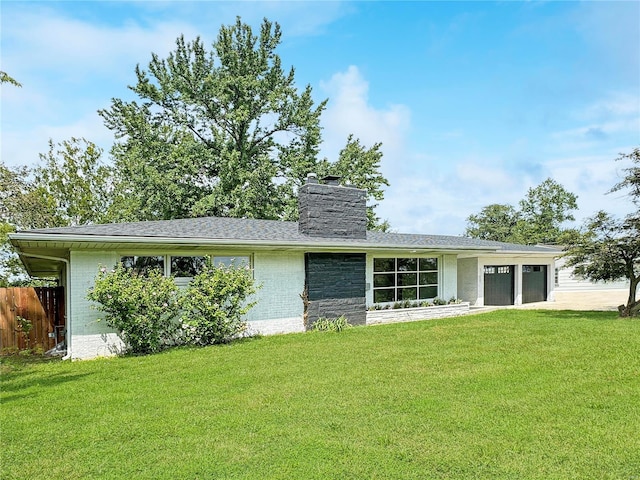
{"x": 42, "y": 308}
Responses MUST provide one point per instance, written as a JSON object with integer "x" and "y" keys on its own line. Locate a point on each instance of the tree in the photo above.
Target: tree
{"x": 495, "y": 222}
{"x": 609, "y": 248}
{"x": 538, "y": 221}
{"x": 20, "y": 207}
{"x": 69, "y": 188}
{"x": 215, "y": 303}
{"x": 74, "y": 181}
{"x": 543, "y": 211}
{"x": 22, "y": 204}
{"x": 141, "y": 308}
{"x": 224, "y": 132}
{"x": 632, "y": 177}
{"x": 359, "y": 166}
{"x": 5, "y": 78}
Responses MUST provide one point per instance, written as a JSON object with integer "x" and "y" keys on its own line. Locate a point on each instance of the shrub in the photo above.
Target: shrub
{"x": 331, "y": 324}
{"x": 214, "y": 304}
{"x": 25, "y": 326}
{"x": 142, "y": 309}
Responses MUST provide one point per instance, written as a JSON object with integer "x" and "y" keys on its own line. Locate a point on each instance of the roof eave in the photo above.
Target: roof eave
{"x": 17, "y": 239}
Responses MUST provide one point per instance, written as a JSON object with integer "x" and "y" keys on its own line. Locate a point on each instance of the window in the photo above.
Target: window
{"x": 398, "y": 279}
{"x": 531, "y": 268}
{"x": 181, "y": 267}
{"x": 492, "y": 270}
{"x": 143, "y": 265}
{"x": 185, "y": 267}
{"x": 238, "y": 261}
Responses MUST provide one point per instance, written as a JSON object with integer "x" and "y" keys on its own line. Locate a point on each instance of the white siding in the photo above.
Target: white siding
{"x": 567, "y": 282}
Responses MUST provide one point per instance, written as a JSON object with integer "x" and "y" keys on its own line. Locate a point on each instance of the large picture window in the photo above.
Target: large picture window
{"x": 398, "y": 279}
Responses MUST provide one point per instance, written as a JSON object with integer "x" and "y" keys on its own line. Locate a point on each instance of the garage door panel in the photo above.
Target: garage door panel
{"x": 534, "y": 283}
{"x": 498, "y": 284}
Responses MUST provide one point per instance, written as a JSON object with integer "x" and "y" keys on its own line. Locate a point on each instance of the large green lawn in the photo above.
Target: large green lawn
{"x": 508, "y": 394}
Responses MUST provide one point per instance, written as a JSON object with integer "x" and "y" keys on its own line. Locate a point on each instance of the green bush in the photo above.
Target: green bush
{"x": 331, "y": 324}
{"x": 142, "y": 309}
{"x": 215, "y": 303}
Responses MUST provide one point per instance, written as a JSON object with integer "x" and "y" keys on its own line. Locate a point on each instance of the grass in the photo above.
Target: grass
{"x": 507, "y": 394}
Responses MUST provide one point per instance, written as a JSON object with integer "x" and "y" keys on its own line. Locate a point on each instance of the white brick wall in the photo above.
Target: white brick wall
{"x": 377, "y": 317}
{"x": 281, "y": 276}
{"x": 279, "y": 308}
{"x": 275, "y": 327}
{"x": 468, "y": 279}
{"x": 88, "y": 334}
{"x": 448, "y": 277}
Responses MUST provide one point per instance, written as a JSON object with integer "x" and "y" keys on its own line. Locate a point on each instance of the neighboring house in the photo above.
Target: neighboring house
{"x": 566, "y": 281}
{"x": 582, "y": 293}
{"x": 329, "y": 254}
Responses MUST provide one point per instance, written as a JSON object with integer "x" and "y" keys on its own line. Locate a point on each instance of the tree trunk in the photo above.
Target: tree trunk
{"x": 632, "y": 308}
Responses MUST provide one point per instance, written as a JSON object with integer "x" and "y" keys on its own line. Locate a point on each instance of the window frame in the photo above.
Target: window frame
{"x": 401, "y": 278}
{"x": 210, "y": 258}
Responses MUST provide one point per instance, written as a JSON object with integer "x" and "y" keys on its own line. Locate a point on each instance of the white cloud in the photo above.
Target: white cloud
{"x": 69, "y": 69}
{"x": 349, "y": 111}
{"x": 614, "y": 104}
{"x": 74, "y": 49}
{"x": 590, "y": 177}
{"x": 617, "y": 113}
{"x": 23, "y": 146}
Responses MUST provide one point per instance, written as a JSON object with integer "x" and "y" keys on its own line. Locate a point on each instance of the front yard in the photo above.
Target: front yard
{"x": 506, "y": 394}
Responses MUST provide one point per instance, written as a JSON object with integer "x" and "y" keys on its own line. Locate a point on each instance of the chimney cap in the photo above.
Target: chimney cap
{"x": 312, "y": 178}
{"x": 332, "y": 179}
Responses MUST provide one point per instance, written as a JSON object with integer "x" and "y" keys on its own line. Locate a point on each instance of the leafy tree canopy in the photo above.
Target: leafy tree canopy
{"x": 69, "y": 187}
{"x": 539, "y": 219}
{"x": 609, "y": 248}
{"x": 74, "y": 181}
{"x": 223, "y": 132}
{"x": 5, "y": 78}
{"x": 495, "y": 222}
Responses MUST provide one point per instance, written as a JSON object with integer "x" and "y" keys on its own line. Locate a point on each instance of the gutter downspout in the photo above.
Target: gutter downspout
{"x": 67, "y": 296}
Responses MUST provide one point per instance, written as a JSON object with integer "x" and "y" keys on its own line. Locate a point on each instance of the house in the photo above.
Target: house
{"x": 583, "y": 293}
{"x": 329, "y": 254}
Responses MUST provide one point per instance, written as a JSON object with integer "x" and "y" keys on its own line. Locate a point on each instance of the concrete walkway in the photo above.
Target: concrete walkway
{"x": 593, "y": 300}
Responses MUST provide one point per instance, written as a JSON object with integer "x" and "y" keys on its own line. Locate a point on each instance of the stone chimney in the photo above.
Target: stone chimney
{"x": 331, "y": 210}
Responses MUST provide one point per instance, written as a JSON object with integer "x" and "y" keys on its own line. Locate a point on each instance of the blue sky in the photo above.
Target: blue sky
{"x": 474, "y": 102}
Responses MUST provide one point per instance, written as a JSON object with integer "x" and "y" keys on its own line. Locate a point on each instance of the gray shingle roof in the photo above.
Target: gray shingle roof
{"x": 266, "y": 231}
